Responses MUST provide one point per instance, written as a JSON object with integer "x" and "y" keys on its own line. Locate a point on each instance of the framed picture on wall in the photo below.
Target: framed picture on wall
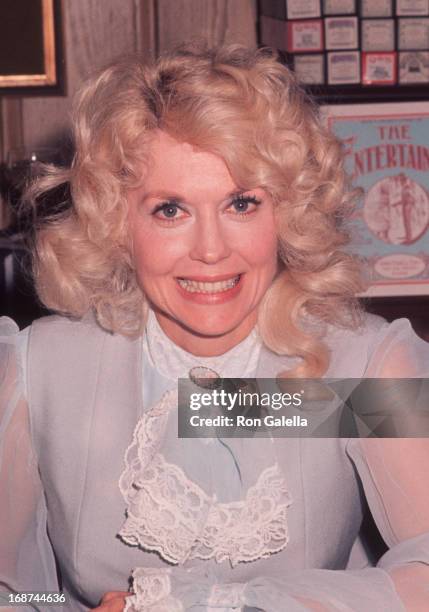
{"x": 30, "y": 47}
{"x": 387, "y": 156}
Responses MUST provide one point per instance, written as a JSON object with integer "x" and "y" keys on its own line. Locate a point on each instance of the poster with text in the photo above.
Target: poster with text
{"x": 387, "y": 155}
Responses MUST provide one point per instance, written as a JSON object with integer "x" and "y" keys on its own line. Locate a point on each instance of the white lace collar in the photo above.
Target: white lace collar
{"x": 174, "y": 362}
{"x": 169, "y": 513}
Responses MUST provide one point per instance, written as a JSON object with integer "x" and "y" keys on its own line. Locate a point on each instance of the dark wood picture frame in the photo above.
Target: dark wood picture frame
{"x": 31, "y": 59}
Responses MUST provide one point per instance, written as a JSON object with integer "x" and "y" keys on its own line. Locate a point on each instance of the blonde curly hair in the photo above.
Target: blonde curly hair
{"x": 246, "y": 107}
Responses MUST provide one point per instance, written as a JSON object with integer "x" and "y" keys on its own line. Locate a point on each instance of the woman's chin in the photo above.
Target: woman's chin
{"x": 221, "y": 331}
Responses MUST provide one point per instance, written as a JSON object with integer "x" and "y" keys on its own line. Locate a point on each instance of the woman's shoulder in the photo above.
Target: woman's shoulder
{"x": 47, "y": 342}
{"x": 377, "y": 348}
{"x": 11, "y": 337}
{"x": 9, "y": 328}
{"x": 48, "y": 328}
{"x": 371, "y": 331}
{"x": 59, "y": 323}
{"x": 366, "y": 331}
{"x": 60, "y": 333}
{"x": 13, "y": 350}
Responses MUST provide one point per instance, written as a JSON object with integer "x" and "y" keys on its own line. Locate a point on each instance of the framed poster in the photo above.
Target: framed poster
{"x": 343, "y": 67}
{"x": 30, "y": 47}
{"x": 310, "y": 68}
{"x": 379, "y": 68}
{"x": 302, "y": 9}
{"x": 341, "y": 33}
{"x": 387, "y": 156}
{"x": 376, "y": 8}
{"x": 305, "y": 36}
{"x": 414, "y": 67}
{"x": 413, "y": 33}
{"x": 378, "y": 35}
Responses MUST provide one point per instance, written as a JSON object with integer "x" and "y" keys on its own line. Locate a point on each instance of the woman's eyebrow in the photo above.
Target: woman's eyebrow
{"x": 172, "y": 195}
{"x": 167, "y": 195}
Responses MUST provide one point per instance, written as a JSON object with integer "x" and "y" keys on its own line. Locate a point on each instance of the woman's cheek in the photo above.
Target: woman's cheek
{"x": 157, "y": 257}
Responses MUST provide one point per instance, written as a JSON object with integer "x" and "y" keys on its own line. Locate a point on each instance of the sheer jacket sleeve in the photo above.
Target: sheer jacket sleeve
{"x": 26, "y": 558}
{"x": 394, "y": 475}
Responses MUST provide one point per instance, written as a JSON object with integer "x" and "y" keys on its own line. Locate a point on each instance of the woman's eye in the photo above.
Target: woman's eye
{"x": 245, "y": 204}
{"x": 167, "y": 210}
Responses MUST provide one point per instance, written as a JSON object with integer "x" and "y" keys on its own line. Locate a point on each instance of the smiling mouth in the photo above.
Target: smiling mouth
{"x": 193, "y": 286}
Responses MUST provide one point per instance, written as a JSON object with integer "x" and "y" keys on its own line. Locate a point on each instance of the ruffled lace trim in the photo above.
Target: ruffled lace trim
{"x": 251, "y": 529}
{"x": 170, "y": 514}
{"x": 192, "y": 588}
{"x": 152, "y": 588}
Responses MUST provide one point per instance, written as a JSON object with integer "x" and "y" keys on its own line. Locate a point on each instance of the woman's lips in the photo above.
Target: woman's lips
{"x": 203, "y": 291}
{"x": 203, "y": 286}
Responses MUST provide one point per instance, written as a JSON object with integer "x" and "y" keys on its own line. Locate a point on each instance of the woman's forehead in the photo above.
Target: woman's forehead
{"x": 183, "y": 165}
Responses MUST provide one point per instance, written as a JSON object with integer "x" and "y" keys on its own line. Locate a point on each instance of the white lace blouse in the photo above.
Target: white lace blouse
{"x": 210, "y": 524}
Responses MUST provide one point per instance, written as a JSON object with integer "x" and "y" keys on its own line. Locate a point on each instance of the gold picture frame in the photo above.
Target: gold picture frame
{"x": 31, "y": 50}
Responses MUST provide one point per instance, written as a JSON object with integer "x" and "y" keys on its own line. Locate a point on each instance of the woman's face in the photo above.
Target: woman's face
{"x": 205, "y": 251}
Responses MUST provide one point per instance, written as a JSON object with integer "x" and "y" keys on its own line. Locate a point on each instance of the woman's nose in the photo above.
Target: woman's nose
{"x": 210, "y": 243}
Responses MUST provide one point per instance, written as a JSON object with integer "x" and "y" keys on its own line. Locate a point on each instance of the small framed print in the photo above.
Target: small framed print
{"x": 273, "y": 33}
{"x": 341, "y": 33}
{"x": 413, "y": 67}
{"x": 302, "y": 9}
{"x": 304, "y": 36}
{"x": 339, "y": 7}
{"x": 376, "y": 8}
{"x": 412, "y": 8}
{"x": 413, "y": 34}
{"x": 310, "y": 69}
{"x": 379, "y": 68}
{"x": 343, "y": 67}
{"x": 378, "y": 35}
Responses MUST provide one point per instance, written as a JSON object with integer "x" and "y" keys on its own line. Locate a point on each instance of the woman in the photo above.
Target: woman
{"x": 206, "y": 230}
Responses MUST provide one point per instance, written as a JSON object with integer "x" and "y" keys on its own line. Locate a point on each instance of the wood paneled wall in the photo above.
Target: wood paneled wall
{"x": 215, "y": 21}
{"x": 97, "y": 31}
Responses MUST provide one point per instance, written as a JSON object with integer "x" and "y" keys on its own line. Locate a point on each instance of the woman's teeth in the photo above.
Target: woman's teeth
{"x": 199, "y": 287}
